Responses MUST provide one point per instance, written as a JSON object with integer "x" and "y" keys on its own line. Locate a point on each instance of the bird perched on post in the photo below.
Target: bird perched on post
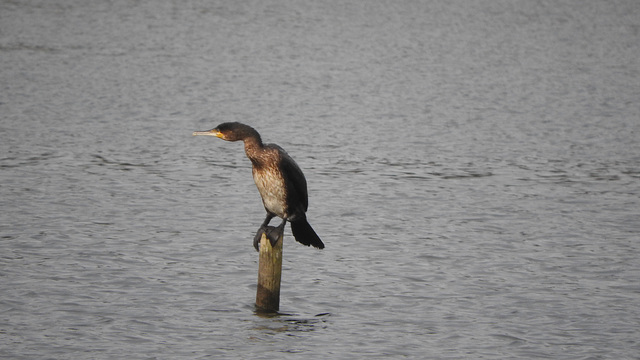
{"x": 280, "y": 181}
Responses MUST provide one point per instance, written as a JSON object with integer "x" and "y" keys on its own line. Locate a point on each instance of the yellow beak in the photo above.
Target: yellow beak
{"x": 212, "y": 132}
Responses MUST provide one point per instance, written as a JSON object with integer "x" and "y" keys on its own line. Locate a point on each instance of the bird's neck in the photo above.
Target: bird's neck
{"x": 254, "y": 148}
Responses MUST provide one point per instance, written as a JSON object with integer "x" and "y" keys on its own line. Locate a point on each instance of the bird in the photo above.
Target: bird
{"x": 279, "y": 180}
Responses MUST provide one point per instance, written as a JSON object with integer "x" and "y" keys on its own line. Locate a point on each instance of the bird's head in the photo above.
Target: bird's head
{"x": 230, "y": 131}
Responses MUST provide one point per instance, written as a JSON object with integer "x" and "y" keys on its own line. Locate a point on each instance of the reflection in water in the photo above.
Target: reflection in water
{"x": 282, "y": 324}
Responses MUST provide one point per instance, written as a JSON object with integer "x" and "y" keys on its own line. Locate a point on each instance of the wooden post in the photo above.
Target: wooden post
{"x": 269, "y": 274}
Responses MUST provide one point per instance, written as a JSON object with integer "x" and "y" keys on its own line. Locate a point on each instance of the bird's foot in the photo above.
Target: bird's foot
{"x": 256, "y": 239}
{"x": 272, "y": 233}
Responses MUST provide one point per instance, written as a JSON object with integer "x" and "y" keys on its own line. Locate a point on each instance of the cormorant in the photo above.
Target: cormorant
{"x": 280, "y": 181}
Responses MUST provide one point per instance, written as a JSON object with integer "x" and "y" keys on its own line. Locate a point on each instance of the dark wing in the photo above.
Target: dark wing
{"x": 294, "y": 179}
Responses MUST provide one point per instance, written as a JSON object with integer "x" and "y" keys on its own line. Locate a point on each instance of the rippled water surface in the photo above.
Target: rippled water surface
{"x": 474, "y": 171}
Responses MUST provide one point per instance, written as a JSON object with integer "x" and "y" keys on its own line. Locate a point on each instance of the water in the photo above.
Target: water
{"x": 473, "y": 171}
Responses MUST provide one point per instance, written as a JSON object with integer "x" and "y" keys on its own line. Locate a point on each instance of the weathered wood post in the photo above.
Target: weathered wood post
{"x": 269, "y": 274}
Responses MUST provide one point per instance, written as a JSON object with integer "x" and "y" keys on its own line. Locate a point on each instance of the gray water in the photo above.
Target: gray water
{"x": 473, "y": 167}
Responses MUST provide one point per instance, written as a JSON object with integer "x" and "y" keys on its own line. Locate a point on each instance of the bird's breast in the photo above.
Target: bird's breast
{"x": 271, "y": 186}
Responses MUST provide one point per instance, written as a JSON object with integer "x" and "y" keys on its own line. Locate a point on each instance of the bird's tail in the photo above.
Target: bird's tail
{"x": 304, "y": 234}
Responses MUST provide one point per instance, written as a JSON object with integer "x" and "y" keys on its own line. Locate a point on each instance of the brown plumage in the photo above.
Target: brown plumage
{"x": 279, "y": 180}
